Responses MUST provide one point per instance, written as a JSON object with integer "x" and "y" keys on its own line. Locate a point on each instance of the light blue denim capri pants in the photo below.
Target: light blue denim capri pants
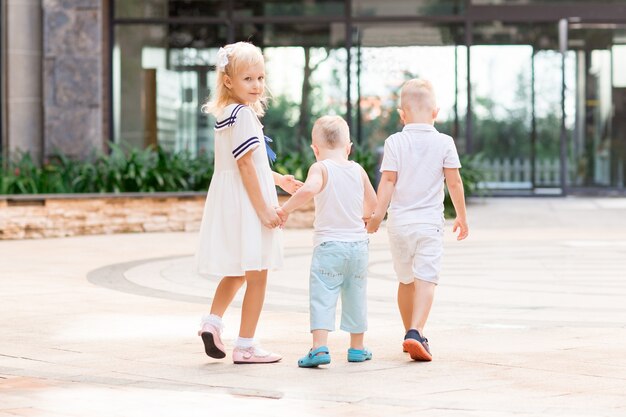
{"x": 339, "y": 268}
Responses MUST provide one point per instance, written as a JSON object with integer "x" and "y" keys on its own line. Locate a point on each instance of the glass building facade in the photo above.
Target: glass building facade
{"x": 534, "y": 89}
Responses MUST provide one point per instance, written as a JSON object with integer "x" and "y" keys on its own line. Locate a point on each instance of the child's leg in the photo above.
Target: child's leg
{"x": 224, "y": 294}
{"x": 325, "y": 280}
{"x": 422, "y": 302}
{"x": 318, "y": 355}
{"x": 252, "y": 302}
{"x": 406, "y": 295}
{"x": 246, "y": 351}
{"x": 356, "y": 341}
{"x": 354, "y": 301}
{"x": 414, "y": 342}
{"x": 320, "y": 337}
{"x": 211, "y": 328}
{"x": 324, "y": 287}
{"x": 358, "y": 352}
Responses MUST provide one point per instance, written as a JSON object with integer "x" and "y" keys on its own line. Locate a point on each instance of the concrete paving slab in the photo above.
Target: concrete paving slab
{"x": 529, "y": 320}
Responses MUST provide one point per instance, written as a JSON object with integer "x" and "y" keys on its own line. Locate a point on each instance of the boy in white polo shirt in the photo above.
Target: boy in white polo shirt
{"x": 343, "y": 195}
{"x": 416, "y": 162}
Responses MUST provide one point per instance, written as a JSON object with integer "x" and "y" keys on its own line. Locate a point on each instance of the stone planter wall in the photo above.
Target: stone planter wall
{"x": 43, "y": 216}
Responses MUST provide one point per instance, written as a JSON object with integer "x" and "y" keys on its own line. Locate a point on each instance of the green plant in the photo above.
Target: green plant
{"x": 297, "y": 163}
{"x": 294, "y": 163}
{"x": 122, "y": 170}
{"x": 24, "y": 176}
{"x": 368, "y": 159}
{"x": 471, "y": 176}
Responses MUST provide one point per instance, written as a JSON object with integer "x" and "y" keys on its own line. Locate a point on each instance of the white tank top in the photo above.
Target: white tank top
{"x": 339, "y": 206}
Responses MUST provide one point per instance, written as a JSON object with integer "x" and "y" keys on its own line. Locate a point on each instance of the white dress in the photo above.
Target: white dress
{"x": 232, "y": 238}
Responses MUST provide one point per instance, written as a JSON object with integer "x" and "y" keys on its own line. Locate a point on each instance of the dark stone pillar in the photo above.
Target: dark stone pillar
{"x": 73, "y": 77}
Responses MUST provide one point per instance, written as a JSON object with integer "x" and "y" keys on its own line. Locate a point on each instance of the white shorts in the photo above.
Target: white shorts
{"x": 416, "y": 250}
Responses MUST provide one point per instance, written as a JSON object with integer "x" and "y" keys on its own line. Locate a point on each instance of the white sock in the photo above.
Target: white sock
{"x": 214, "y": 320}
{"x": 244, "y": 342}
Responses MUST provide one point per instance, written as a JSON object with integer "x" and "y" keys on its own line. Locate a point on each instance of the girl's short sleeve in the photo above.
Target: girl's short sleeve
{"x": 246, "y": 132}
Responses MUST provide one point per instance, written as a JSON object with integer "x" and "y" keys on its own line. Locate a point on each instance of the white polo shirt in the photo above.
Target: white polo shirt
{"x": 418, "y": 154}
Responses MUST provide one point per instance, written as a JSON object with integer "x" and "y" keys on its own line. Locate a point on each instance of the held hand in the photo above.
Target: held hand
{"x": 283, "y": 216}
{"x": 269, "y": 218}
{"x": 461, "y": 225}
{"x": 373, "y": 223}
{"x": 290, "y": 184}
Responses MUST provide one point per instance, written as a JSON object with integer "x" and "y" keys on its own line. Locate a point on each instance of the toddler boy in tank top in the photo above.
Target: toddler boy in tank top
{"x": 343, "y": 197}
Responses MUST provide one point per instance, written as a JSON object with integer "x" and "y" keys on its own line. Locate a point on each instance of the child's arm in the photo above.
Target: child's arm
{"x": 250, "y": 180}
{"x": 369, "y": 199}
{"x": 312, "y": 186}
{"x": 286, "y": 182}
{"x": 385, "y": 192}
{"x": 457, "y": 195}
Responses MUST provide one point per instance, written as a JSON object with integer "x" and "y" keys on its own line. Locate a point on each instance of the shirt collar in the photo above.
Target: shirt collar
{"x": 424, "y": 127}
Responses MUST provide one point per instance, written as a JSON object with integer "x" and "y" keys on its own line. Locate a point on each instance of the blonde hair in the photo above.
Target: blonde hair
{"x": 418, "y": 95}
{"x": 332, "y": 130}
{"x": 240, "y": 56}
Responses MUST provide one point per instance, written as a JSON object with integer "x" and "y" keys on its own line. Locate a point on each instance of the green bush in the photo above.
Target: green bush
{"x": 298, "y": 163}
{"x": 123, "y": 170}
{"x": 154, "y": 170}
{"x": 471, "y": 176}
{"x": 294, "y": 163}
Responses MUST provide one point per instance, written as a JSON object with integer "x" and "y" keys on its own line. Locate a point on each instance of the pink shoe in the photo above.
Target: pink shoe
{"x": 254, "y": 354}
{"x": 213, "y": 345}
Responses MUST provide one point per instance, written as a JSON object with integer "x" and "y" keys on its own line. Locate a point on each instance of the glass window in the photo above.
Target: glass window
{"x": 288, "y": 8}
{"x": 161, "y": 77}
{"x": 385, "y": 56}
{"x": 540, "y": 35}
{"x": 293, "y": 34}
{"x": 619, "y": 66}
{"x": 306, "y": 76}
{"x": 170, "y": 8}
{"x": 597, "y": 153}
{"x": 407, "y": 7}
{"x": 553, "y": 2}
{"x": 517, "y": 124}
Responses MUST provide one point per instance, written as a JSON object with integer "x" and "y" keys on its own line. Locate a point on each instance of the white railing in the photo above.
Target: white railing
{"x": 517, "y": 173}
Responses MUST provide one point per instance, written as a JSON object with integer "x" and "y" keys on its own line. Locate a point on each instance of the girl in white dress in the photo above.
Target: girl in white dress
{"x": 239, "y": 236}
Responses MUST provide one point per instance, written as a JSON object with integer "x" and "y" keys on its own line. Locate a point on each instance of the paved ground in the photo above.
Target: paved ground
{"x": 529, "y": 320}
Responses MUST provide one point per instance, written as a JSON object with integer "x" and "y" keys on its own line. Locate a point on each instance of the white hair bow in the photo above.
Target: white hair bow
{"x": 222, "y": 58}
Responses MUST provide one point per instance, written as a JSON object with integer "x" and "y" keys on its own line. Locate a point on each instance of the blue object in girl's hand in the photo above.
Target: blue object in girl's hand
{"x": 270, "y": 153}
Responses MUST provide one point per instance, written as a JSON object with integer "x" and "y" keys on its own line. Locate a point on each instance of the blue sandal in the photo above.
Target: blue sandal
{"x": 358, "y": 355}
{"x": 315, "y": 358}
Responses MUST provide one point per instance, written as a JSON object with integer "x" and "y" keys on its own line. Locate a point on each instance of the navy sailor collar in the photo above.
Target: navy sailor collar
{"x": 232, "y": 110}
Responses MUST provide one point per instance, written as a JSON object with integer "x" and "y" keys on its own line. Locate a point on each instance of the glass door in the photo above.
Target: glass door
{"x": 517, "y": 86}
{"x": 597, "y": 151}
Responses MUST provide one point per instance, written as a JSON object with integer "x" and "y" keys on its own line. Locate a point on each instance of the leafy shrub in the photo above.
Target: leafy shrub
{"x": 471, "y": 176}
{"x": 123, "y": 170}
{"x": 153, "y": 170}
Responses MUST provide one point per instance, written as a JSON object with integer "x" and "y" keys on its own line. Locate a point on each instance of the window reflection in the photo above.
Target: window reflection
{"x": 598, "y": 151}
{"x": 288, "y": 7}
{"x": 163, "y": 73}
{"x": 406, "y": 7}
{"x": 159, "y": 84}
{"x": 387, "y": 58}
{"x": 170, "y": 8}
